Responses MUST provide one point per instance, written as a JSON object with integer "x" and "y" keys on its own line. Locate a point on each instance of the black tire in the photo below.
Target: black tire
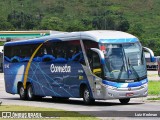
{"x": 124, "y": 101}
{"x": 30, "y": 94}
{"x": 22, "y": 92}
{"x": 87, "y": 97}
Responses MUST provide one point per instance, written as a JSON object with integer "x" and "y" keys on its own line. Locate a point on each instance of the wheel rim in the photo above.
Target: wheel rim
{"x": 21, "y": 92}
{"x": 86, "y": 95}
{"x": 30, "y": 92}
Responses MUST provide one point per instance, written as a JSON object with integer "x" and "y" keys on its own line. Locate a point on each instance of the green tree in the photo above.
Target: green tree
{"x": 52, "y": 23}
{"x": 2, "y": 43}
{"x": 21, "y": 20}
{"x": 123, "y": 26}
{"x": 103, "y": 23}
{"x": 137, "y": 30}
{"x": 4, "y": 25}
{"x": 153, "y": 44}
{"x": 76, "y": 26}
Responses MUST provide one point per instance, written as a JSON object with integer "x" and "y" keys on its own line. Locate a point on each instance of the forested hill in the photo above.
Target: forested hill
{"x": 138, "y": 17}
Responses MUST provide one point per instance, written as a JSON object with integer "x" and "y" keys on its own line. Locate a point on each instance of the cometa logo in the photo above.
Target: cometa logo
{"x": 61, "y": 69}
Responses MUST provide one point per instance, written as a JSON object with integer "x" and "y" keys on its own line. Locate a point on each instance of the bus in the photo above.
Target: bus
{"x": 93, "y": 65}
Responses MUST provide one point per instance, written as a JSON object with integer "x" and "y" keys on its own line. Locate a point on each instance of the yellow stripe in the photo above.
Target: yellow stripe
{"x": 29, "y": 64}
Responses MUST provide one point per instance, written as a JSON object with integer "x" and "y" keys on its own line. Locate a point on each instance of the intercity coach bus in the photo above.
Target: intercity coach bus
{"x": 93, "y": 65}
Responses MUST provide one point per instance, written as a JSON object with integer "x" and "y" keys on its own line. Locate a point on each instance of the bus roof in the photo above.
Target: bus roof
{"x": 103, "y": 36}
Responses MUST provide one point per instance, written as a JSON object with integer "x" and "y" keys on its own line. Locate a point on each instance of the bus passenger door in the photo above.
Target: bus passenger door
{"x": 97, "y": 71}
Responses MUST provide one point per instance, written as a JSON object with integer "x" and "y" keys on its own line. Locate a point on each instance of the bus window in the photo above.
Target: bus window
{"x": 26, "y": 52}
{"x": 88, "y": 44}
{"x": 16, "y": 52}
{"x": 19, "y": 53}
{"x": 75, "y": 52}
{"x": 65, "y": 51}
{"x": 7, "y": 53}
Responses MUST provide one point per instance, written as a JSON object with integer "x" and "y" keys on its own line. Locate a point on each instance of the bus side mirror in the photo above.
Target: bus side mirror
{"x": 100, "y": 53}
{"x": 152, "y": 58}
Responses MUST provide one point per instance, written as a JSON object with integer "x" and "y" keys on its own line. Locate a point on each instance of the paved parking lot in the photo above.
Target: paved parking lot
{"x": 2, "y": 87}
{"x": 153, "y": 75}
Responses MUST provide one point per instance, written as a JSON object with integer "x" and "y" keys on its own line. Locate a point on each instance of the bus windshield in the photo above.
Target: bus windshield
{"x": 124, "y": 62}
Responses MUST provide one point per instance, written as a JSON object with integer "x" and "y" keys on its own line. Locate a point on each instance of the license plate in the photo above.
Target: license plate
{"x": 129, "y": 94}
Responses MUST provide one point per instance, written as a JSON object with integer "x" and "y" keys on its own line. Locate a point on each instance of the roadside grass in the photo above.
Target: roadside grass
{"x": 45, "y": 112}
{"x": 156, "y": 98}
{"x": 154, "y": 90}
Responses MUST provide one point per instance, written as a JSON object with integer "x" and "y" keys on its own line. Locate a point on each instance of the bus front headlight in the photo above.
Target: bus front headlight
{"x": 111, "y": 87}
{"x": 144, "y": 85}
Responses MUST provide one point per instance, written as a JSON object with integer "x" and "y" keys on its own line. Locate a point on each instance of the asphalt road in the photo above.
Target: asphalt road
{"x": 100, "y": 107}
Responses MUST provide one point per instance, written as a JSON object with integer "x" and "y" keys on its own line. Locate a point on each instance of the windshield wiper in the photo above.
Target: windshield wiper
{"x": 142, "y": 55}
{"x": 133, "y": 69}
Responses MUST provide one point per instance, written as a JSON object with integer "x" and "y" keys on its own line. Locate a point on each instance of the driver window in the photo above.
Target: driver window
{"x": 95, "y": 64}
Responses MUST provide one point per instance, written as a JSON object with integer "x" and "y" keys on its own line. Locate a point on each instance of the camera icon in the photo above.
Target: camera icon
{"x": 6, "y": 114}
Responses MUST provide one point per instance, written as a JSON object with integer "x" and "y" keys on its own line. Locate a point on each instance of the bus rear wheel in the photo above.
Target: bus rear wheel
{"x": 30, "y": 94}
{"x": 22, "y": 93}
{"x": 124, "y": 101}
{"x": 87, "y": 97}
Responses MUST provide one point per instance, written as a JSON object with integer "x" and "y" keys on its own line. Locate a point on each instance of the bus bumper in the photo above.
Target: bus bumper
{"x": 110, "y": 92}
{"x": 133, "y": 92}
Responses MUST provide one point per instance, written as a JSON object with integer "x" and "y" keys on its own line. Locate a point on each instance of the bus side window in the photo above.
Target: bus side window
{"x": 7, "y": 53}
{"x": 95, "y": 64}
{"x": 75, "y": 52}
{"x": 16, "y": 54}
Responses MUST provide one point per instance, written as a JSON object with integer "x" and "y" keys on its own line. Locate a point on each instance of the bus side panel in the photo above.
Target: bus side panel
{"x": 56, "y": 79}
{"x": 73, "y": 79}
{"x": 13, "y": 73}
{"x": 44, "y": 82}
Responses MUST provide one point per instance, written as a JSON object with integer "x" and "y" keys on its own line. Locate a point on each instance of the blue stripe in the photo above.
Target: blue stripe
{"x": 125, "y": 85}
{"x": 121, "y": 40}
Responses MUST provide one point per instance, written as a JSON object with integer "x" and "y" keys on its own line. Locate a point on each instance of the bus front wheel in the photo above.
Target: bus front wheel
{"x": 30, "y": 94}
{"x": 124, "y": 101}
{"x": 87, "y": 96}
{"x": 22, "y": 93}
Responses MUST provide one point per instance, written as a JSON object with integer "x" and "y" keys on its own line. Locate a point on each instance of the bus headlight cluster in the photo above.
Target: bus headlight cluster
{"x": 111, "y": 87}
{"x": 144, "y": 85}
